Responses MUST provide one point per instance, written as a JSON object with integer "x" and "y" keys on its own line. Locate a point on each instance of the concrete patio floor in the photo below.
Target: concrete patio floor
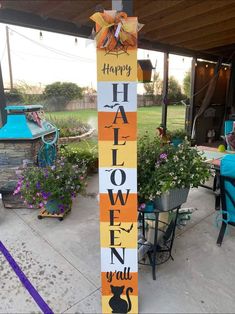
{"x": 62, "y": 261}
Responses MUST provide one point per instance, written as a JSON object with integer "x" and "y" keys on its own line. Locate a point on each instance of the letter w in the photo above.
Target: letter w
{"x": 119, "y": 196}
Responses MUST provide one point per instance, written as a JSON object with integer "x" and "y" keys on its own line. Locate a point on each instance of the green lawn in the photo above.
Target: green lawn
{"x": 148, "y": 118}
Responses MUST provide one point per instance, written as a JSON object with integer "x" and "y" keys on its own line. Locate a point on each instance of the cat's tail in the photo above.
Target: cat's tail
{"x": 128, "y": 298}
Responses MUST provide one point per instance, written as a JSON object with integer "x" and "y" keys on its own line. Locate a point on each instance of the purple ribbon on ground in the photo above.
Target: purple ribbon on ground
{"x": 33, "y": 292}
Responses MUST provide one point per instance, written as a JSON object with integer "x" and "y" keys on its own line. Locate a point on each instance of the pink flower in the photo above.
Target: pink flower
{"x": 142, "y": 206}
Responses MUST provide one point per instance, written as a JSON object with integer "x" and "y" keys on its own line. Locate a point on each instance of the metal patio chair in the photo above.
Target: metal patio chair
{"x": 227, "y": 187}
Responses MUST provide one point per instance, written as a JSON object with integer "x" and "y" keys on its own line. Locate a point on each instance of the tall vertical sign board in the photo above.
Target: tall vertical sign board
{"x": 117, "y": 120}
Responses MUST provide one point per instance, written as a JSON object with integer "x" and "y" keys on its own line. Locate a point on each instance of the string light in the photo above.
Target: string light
{"x": 40, "y": 35}
{"x": 196, "y": 64}
{"x": 206, "y": 65}
{"x": 225, "y": 69}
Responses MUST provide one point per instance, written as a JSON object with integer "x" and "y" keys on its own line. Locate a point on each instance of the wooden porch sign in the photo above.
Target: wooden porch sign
{"x": 117, "y": 119}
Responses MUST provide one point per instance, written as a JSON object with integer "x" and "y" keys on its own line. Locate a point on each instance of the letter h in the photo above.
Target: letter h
{"x": 124, "y": 92}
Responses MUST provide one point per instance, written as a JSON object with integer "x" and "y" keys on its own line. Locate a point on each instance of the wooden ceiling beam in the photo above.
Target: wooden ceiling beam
{"x": 153, "y": 7}
{"x": 94, "y": 6}
{"x": 31, "y": 6}
{"x": 190, "y": 10}
{"x": 51, "y": 7}
{"x": 157, "y": 46}
{"x": 228, "y": 51}
{"x": 210, "y": 38}
{"x": 141, "y": 3}
{"x": 190, "y": 24}
{"x": 30, "y": 20}
{"x": 216, "y": 43}
{"x": 197, "y": 33}
{"x": 156, "y": 17}
{"x": 223, "y": 48}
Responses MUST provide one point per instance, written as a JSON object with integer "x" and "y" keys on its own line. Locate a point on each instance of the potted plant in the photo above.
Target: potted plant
{"x": 177, "y": 136}
{"x": 166, "y": 172}
{"x": 51, "y": 188}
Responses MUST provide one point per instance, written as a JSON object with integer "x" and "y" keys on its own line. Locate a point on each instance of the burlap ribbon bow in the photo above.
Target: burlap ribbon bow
{"x": 114, "y": 30}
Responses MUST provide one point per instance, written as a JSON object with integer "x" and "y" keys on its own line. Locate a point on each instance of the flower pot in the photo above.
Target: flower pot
{"x": 171, "y": 199}
{"x": 149, "y": 208}
{"x": 54, "y": 206}
{"x": 176, "y": 141}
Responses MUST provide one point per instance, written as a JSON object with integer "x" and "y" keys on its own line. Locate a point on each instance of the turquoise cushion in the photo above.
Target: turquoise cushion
{"x": 228, "y": 126}
{"x": 227, "y": 168}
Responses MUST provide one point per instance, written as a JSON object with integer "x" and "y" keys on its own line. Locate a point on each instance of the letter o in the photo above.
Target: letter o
{"x": 113, "y": 177}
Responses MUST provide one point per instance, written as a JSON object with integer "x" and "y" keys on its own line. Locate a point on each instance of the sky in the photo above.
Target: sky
{"x": 40, "y": 60}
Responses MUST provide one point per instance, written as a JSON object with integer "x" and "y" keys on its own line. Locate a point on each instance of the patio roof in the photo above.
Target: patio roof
{"x": 204, "y": 29}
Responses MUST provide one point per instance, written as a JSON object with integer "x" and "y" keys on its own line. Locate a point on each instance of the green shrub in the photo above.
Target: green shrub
{"x": 79, "y": 156}
{"x": 58, "y": 94}
{"x": 69, "y": 126}
{"x": 24, "y": 94}
{"x": 14, "y": 96}
{"x": 174, "y": 91}
{"x": 178, "y": 133}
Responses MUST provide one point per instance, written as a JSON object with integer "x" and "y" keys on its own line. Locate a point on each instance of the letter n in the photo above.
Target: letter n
{"x": 118, "y": 256}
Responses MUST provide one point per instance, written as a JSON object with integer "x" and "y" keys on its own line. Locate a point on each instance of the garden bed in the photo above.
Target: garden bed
{"x": 77, "y": 138}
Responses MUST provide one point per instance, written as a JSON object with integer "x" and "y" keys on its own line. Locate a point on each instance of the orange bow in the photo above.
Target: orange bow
{"x": 114, "y": 30}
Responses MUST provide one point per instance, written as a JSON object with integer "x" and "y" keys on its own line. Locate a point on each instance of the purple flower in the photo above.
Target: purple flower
{"x": 142, "y": 206}
{"x": 163, "y": 156}
{"x": 61, "y": 207}
{"x": 38, "y": 185}
{"x": 45, "y": 195}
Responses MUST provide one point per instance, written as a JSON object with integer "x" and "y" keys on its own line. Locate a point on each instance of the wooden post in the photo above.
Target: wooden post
{"x": 165, "y": 90}
{"x": 117, "y": 5}
{"x": 9, "y": 57}
{"x": 191, "y": 106}
{"x": 231, "y": 91}
{"x": 3, "y": 114}
{"x": 123, "y": 5}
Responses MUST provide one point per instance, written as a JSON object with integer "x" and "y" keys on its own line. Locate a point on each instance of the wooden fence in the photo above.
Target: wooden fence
{"x": 90, "y": 102}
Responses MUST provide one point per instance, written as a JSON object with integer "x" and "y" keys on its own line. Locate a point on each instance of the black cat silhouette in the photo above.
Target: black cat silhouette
{"x": 117, "y": 304}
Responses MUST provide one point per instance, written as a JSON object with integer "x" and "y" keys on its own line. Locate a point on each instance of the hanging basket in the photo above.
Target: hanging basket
{"x": 171, "y": 199}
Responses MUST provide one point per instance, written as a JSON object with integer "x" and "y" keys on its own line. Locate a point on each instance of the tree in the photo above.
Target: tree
{"x": 58, "y": 94}
{"x": 174, "y": 90}
{"x": 187, "y": 84}
{"x": 67, "y": 90}
{"x": 155, "y": 87}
